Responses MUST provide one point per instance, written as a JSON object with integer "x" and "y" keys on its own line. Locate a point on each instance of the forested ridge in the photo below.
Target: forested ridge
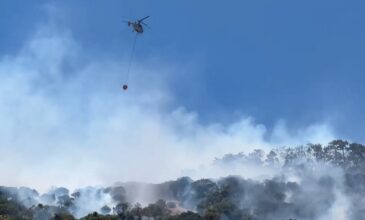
{"x": 306, "y": 182}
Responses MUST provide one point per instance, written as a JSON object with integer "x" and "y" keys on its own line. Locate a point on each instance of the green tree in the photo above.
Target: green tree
{"x": 316, "y": 151}
{"x": 63, "y": 216}
{"x": 272, "y": 158}
{"x": 338, "y": 148}
{"x": 186, "y": 216}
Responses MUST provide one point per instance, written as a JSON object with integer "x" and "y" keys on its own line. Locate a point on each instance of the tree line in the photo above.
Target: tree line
{"x": 231, "y": 197}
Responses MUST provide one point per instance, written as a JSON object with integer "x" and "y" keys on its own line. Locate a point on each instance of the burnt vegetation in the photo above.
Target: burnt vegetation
{"x": 324, "y": 172}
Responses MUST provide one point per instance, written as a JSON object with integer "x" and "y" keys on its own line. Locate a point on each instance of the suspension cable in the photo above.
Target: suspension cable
{"x": 131, "y": 59}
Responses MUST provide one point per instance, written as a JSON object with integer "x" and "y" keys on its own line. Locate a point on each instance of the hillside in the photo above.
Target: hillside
{"x": 309, "y": 182}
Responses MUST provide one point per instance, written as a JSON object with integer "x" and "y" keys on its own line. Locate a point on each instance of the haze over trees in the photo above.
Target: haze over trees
{"x": 306, "y": 182}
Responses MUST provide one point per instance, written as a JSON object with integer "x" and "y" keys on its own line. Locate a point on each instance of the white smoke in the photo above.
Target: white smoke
{"x": 65, "y": 121}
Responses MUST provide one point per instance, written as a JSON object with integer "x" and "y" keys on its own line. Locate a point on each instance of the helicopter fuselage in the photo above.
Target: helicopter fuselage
{"x": 137, "y": 27}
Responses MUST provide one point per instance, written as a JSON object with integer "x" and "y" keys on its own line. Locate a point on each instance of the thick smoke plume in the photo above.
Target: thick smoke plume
{"x": 65, "y": 121}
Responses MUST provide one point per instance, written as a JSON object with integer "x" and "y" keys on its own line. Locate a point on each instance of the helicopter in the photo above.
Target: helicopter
{"x": 138, "y": 28}
{"x": 138, "y": 25}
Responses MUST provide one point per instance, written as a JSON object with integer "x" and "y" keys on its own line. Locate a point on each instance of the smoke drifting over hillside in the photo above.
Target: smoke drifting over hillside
{"x": 311, "y": 182}
{"x": 64, "y": 120}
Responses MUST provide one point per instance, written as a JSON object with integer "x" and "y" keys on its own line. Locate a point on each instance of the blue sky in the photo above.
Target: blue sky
{"x": 297, "y": 61}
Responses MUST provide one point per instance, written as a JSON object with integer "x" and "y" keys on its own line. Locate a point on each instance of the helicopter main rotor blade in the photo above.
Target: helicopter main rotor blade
{"x": 145, "y": 25}
{"x": 140, "y": 20}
